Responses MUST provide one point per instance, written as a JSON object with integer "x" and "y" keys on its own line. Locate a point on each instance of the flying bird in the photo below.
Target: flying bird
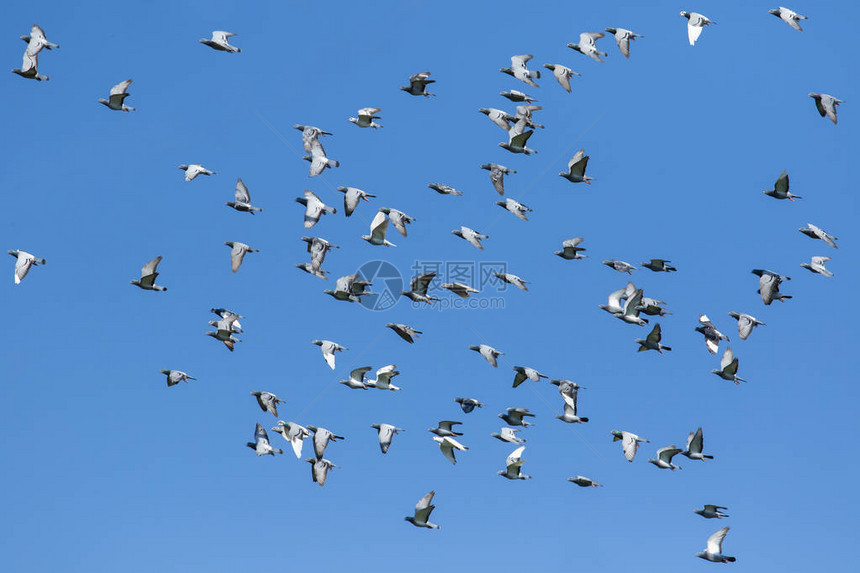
{"x": 489, "y": 353}
{"x": 513, "y": 465}
{"x": 383, "y": 378}
{"x": 219, "y": 42}
{"x": 470, "y": 235}
{"x": 509, "y": 435}
{"x": 714, "y": 549}
{"x": 321, "y": 439}
{"x": 518, "y": 137}
{"x": 447, "y": 445}
{"x": 620, "y": 266}
{"x": 629, "y": 443}
{"x": 398, "y": 218}
{"x": 468, "y": 404}
{"x": 512, "y": 279}
{"x": 446, "y": 428}
{"x": 349, "y": 288}
{"x": 817, "y": 266}
{"x": 418, "y": 288}
{"x": 351, "y": 198}
{"x": 174, "y": 377}
{"x": 356, "y": 378}
{"x": 711, "y": 511}
{"x": 768, "y": 286}
{"x": 571, "y": 249}
{"x": 460, "y": 289}
{"x": 261, "y": 443}
{"x": 237, "y": 253}
{"x": 233, "y": 317}
{"x": 519, "y": 210}
{"x": 30, "y": 69}
{"x": 268, "y": 402}
{"x": 328, "y": 348}
{"x": 652, "y": 341}
{"x": 623, "y": 38}
{"x": 294, "y": 434}
{"x": 588, "y": 45}
{"x": 319, "y": 469}
{"x": 423, "y": 509}
{"x": 242, "y": 202}
{"x": 711, "y": 334}
{"x": 632, "y": 308}
{"x": 790, "y": 17}
{"x": 562, "y": 74}
{"x": 516, "y": 417}
{"x": 310, "y": 138}
{"x": 26, "y": 260}
{"x": 576, "y": 168}
{"x": 695, "y": 23}
{"x": 729, "y": 367}
{"x": 37, "y": 40}
{"x": 693, "y": 450}
{"x": 148, "y": 275}
{"x": 386, "y": 434}
{"x": 659, "y": 265}
{"x": 818, "y": 233}
{"x": 583, "y": 481}
{"x": 523, "y": 373}
{"x": 378, "y": 227}
{"x": 517, "y": 96}
{"x": 418, "y": 84}
{"x": 314, "y": 208}
{"x": 318, "y": 248}
{"x": 664, "y": 458}
{"x": 746, "y": 323}
{"x": 118, "y": 93}
{"x": 193, "y": 170}
{"x": 497, "y": 176}
{"x": 501, "y": 118}
{"x": 224, "y": 330}
{"x": 443, "y": 189}
{"x": 518, "y": 69}
{"x": 365, "y": 118}
{"x": 405, "y": 332}
{"x": 826, "y": 105}
{"x": 780, "y": 189}
{"x": 570, "y": 415}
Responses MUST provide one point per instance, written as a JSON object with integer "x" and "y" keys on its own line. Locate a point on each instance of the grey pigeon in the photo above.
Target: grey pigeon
{"x": 659, "y": 265}
{"x": 328, "y": 348}
{"x": 468, "y": 404}
{"x": 664, "y": 458}
{"x": 623, "y": 38}
{"x": 234, "y": 317}
{"x": 818, "y": 233}
{"x": 524, "y": 372}
{"x": 294, "y": 434}
{"x": 632, "y": 308}
{"x": 790, "y": 17}
{"x": 365, "y": 118}
{"x": 445, "y": 428}
{"x": 517, "y": 96}
{"x": 566, "y": 386}
{"x": 148, "y": 275}
{"x": 817, "y": 266}
{"x": 423, "y": 509}
{"x": 746, "y": 323}
{"x": 576, "y": 168}
{"x": 768, "y": 286}
{"x": 489, "y": 353}
{"x": 525, "y": 112}
{"x": 174, "y": 377}
{"x": 714, "y": 549}
{"x": 562, "y": 74}
{"x": 629, "y": 443}
{"x": 243, "y": 199}
{"x": 501, "y": 118}
{"x": 512, "y": 279}
{"x": 518, "y": 137}
{"x": 588, "y": 45}
{"x": 418, "y": 288}
{"x": 780, "y": 189}
{"x": 443, "y": 189}
{"x": 321, "y": 439}
{"x": 386, "y": 434}
{"x": 319, "y": 469}
{"x": 314, "y": 208}
{"x": 653, "y": 307}
{"x": 351, "y": 198}
{"x": 471, "y": 235}
{"x": 193, "y": 170}
{"x": 36, "y": 41}
{"x": 26, "y": 260}
{"x": 378, "y": 228}
{"x": 711, "y": 511}
{"x": 652, "y": 341}
{"x": 620, "y": 266}
{"x": 398, "y": 218}
{"x": 310, "y": 137}
{"x": 237, "y": 253}
{"x": 826, "y": 105}
{"x": 583, "y": 481}
{"x": 356, "y": 378}
{"x": 695, "y": 23}
{"x": 418, "y": 84}
{"x": 497, "y": 176}
{"x": 518, "y": 69}
{"x": 447, "y": 445}
{"x": 118, "y": 93}
{"x": 261, "y": 443}
{"x": 309, "y": 268}
{"x": 693, "y": 450}
{"x": 515, "y": 417}
{"x": 349, "y": 288}
{"x": 711, "y": 334}
{"x": 729, "y": 367}
{"x": 460, "y": 289}
{"x": 405, "y": 332}
{"x": 224, "y": 331}
{"x": 509, "y": 435}
{"x": 219, "y": 42}
{"x": 570, "y": 415}
{"x": 268, "y": 402}
{"x": 513, "y": 465}
{"x": 318, "y": 248}
{"x": 519, "y": 210}
{"x": 571, "y": 249}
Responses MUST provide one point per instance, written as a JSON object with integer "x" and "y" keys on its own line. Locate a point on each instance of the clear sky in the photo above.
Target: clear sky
{"x": 106, "y": 468}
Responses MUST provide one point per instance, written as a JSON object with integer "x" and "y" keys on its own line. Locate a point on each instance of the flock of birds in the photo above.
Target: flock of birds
{"x": 627, "y": 303}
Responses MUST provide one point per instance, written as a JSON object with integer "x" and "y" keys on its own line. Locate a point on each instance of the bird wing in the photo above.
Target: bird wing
{"x": 745, "y": 326}
{"x": 519, "y": 378}
{"x": 655, "y": 334}
{"x": 820, "y": 260}
{"x": 447, "y": 424}
{"x": 120, "y": 89}
{"x": 615, "y": 298}
{"x": 424, "y": 507}
{"x": 515, "y": 456}
{"x": 633, "y": 301}
{"x": 378, "y": 226}
{"x": 520, "y": 61}
{"x": 781, "y": 184}
{"x": 629, "y": 445}
{"x": 149, "y": 268}
{"x": 421, "y": 282}
{"x": 715, "y": 541}
{"x": 666, "y": 454}
{"x": 358, "y": 373}
{"x": 577, "y": 163}
{"x": 695, "y": 441}
{"x": 221, "y": 36}
{"x": 242, "y": 195}
{"x": 237, "y": 254}
{"x": 693, "y": 32}
{"x": 728, "y": 357}
{"x": 314, "y": 207}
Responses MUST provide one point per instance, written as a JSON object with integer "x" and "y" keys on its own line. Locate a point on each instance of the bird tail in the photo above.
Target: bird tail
{"x": 707, "y": 457}
{"x": 251, "y": 445}
{"x": 40, "y": 261}
{"x": 583, "y": 419}
{"x": 669, "y": 348}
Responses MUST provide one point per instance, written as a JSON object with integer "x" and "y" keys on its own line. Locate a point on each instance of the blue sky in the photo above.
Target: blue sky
{"x": 105, "y": 465}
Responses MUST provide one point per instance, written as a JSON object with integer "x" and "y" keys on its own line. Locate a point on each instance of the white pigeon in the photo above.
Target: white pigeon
{"x": 519, "y": 210}
{"x": 423, "y": 509}
{"x": 365, "y": 118}
{"x": 322, "y": 437}
{"x": 632, "y": 308}
{"x": 460, "y": 289}
{"x": 714, "y": 549}
{"x": 30, "y": 68}
{"x": 517, "y": 96}
{"x": 328, "y": 349}
{"x": 588, "y": 45}
{"x": 501, "y": 118}
{"x": 768, "y": 286}
{"x": 23, "y": 263}
{"x": 790, "y": 17}
{"x": 118, "y": 93}
{"x": 614, "y": 305}
{"x": 562, "y": 74}
{"x": 817, "y": 266}
{"x": 471, "y": 235}
{"x": 695, "y": 23}
{"x": 818, "y": 233}
{"x": 629, "y": 443}
{"x": 418, "y": 84}
{"x": 268, "y": 402}
{"x": 448, "y": 445}
{"x": 383, "y": 378}
{"x": 570, "y": 416}
{"x": 497, "y": 176}
{"x": 664, "y": 458}
{"x": 314, "y": 208}
{"x": 513, "y": 465}
{"x": 219, "y": 42}
{"x": 174, "y": 377}
{"x": 294, "y": 434}
{"x": 237, "y": 253}
{"x": 443, "y": 189}
{"x": 386, "y": 434}
{"x": 508, "y": 435}
{"x": 37, "y": 40}
{"x": 377, "y": 231}
{"x": 193, "y": 170}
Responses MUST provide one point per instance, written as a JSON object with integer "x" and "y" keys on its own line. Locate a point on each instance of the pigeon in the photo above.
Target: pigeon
{"x": 746, "y": 323}
{"x": 398, "y": 218}
{"x": 566, "y": 386}
{"x": 562, "y": 74}
{"x": 243, "y": 198}
{"x": 443, "y": 189}
{"x": 501, "y": 118}
{"x": 321, "y": 439}
{"x": 518, "y": 209}
{"x": 386, "y": 434}
{"x": 512, "y": 280}
{"x": 588, "y": 45}
{"x": 780, "y": 189}
{"x": 356, "y": 378}
{"x": 308, "y": 268}
{"x": 826, "y": 105}
{"x": 659, "y": 265}
{"x": 423, "y": 509}
{"x": 497, "y": 176}
{"x": 319, "y": 469}
{"x": 518, "y": 137}
{"x": 405, "y": 332}
{"x": 318, "y": 248}
{"x": 310, "y": 138}
{"x": 418, "y": 85}
{"x": 518, "y": 69}
{"x": 26, "y": 260}
{"x": 351, "y": 198}
{"x": 711, "y": 334}
{"x": 570, "y": 416}
{"x": 664, "y": 458}
{"x": 229, "y": 314}
{"x": 693, "y": 450}
{"x": 513, "y": 465}
{"x": 418, "y": 288}
{"x": 768, "y": 286}
{"x": 365, "y": 118}
{"x": 817, "y": 233}
{"x": 652, "y": 341}
{"x": 517, "y": 96}
{"x": 268, "y": 402}
{"x": 515, "y": 417}
{"x": 118, "y": 93}
{"x": 714, "y": 549}
{"x": 629, "y": 443}
{"x": 817, "y": 266}
{"x": 261, "y": 443}
{"x": 319, "y": 162}
{"x": 509, "y": 435}
{"x": 219, "y": 42}
{"x": 695, "y": 23}
{"x": 613, "y": 305}
{"x": 631, "y": 311}
{"x": 174, "y": 377}
{"x": 148, "y": 275}
{"x": 460, "y": 289}
{"x": 470, "y": 235}
{"x": 314, "y": 208}
{"x": 729, "y": 367}
{"x": 489, "y": 353}
{"x": 523, "y": 373}
{"x": 446, "y": 428}
{"x": 237, "y": 253}
{"x": 583, "y": 481}
{"x": 711, "y": 512}
{"x": 377, "y": 231}
{"x": 294, "y": 434}
{"x": 790, "y": 17}
{"x": 448, "y": 445}
{"x": 193, "y": 170}
{"x": 328, "y": 349}
{"x": 383, "y": 378}
{"x": 623, "y": 38}
{"x": 29, "y": 68}
{"x": 576, "y": 168}
{"x": 620, "y": 266}
{"x": 224, "y": 331}
{"x": 652, "y": 307}
{"x": 571, "y": 249}
{"x": 37, "y": 40}
{"x": 349, "y": 288}
{"x": 468, "y": 404}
